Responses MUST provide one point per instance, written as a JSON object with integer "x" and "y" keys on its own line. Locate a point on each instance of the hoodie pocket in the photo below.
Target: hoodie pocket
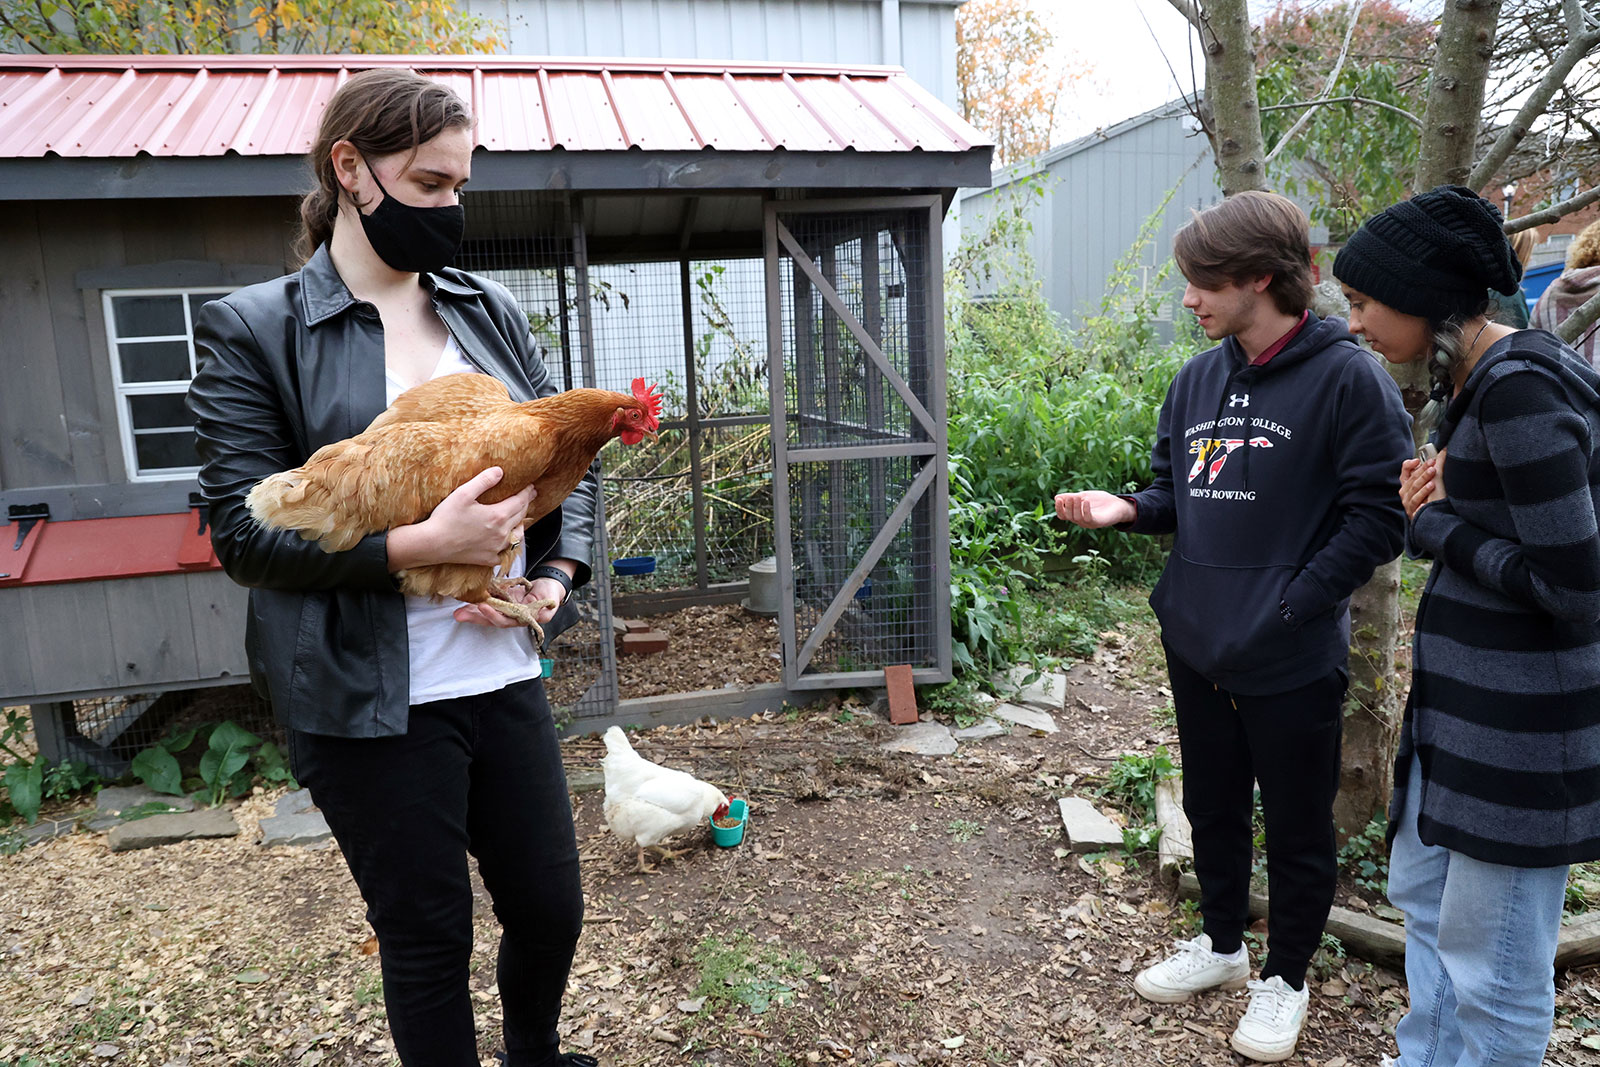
{"x": 1224, "y": 620}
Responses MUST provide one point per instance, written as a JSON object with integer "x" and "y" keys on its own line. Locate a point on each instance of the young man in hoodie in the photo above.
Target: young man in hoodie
{"x": 1277, "y": 465}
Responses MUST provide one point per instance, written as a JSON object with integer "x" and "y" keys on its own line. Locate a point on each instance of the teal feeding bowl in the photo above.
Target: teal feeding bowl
{"x": 634, "y": 565}
{"x": 728, "y": 836}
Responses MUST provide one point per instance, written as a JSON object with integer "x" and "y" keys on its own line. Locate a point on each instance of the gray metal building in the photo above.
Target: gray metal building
{"x": 918, "y": 35}
{"x": 1093, "y": 196}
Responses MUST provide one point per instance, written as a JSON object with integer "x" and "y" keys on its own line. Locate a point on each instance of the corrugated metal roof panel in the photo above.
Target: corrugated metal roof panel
{"x": 102, "y": 107}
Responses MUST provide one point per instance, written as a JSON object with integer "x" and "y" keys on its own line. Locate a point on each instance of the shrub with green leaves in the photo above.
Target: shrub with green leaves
{"x": 29, "y": 780}
{"x": 224, "y": 760}
{"x": 1133, "y": 778}
{"x": 1037, "y": 409}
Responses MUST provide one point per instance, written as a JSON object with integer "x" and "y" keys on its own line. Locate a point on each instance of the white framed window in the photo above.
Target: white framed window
{"x": 150, "y": 333}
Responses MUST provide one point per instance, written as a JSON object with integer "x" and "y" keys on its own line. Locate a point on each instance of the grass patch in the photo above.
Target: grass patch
{"x": 736, "y": 971}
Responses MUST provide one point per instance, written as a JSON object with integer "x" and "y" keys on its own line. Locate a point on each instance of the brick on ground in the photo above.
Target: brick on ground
{"x": 643, "y": 644}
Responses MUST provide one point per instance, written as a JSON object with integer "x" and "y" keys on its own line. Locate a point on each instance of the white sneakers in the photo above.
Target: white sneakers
{"x": 1271, "y": 1024}
{"x": 1194, "y": 968}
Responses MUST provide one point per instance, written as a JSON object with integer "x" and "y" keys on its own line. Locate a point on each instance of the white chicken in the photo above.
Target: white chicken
{"x": 647, "y": 803}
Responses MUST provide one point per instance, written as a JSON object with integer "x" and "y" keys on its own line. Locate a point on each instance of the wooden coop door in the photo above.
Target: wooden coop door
{"x": 855, "y": 319}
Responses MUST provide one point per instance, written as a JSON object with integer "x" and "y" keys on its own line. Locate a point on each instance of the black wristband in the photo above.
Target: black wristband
{"x": 545, "y": 570}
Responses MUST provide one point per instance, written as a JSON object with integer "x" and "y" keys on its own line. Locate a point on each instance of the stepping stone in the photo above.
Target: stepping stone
{"x": 922, "y": 739}
{"x": 297, "y": 803}
{"x": 116, "y": 799}
{"x": 585, "y": 780}
{"x": 1047, "y": 692}
{"x": 1176, "y": 846}
{"x": 167, "y": 829}
{"x": 1087, "y": 829}
{"x": 981, "y": 730}
{"x": 1032, "y": 718}
{"x": 304, "y": 828}
{"x": 47, "y": 829}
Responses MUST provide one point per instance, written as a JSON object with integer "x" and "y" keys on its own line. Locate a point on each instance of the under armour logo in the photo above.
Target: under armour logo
{"x": 1237, "y": 401}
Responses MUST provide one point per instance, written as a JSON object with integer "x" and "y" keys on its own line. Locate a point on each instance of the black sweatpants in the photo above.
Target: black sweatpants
{"x": 480, "y": 775}
{"x": 1288, "y": 743}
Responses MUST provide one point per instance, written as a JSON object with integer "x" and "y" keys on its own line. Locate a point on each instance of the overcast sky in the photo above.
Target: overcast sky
{"x": 1122, "y": 42}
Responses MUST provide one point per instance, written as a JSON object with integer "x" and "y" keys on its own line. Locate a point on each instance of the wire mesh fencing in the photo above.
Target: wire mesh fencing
{"x": 525, "y": 242}
{"x": 855, "y": 323}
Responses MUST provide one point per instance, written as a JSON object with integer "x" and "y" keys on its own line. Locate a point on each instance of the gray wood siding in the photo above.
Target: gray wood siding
{"x": 58, "y": 410}
{"x": 35, "y": 449}
{"x": 123, "y": 635}
{"x": 809, "y": 31}
{"x": 59, "y": 420}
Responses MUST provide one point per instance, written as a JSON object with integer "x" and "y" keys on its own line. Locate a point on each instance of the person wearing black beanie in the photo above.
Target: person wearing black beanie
{"x": 1498, "y": 771}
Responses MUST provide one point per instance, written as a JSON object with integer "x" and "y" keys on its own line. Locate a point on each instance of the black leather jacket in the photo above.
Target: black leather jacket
{"x": 286, "y": 367}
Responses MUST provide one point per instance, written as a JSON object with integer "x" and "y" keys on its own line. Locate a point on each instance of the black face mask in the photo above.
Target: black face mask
{"x": 413, "y": 239}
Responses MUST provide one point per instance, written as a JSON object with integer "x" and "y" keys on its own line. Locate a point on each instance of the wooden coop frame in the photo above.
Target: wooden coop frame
{"x": 108, "y": 587}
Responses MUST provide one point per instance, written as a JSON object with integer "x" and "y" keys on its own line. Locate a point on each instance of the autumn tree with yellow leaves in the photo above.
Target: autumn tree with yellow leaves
{"x": 160, "y": 27}
{"x": 1004, "y": 74}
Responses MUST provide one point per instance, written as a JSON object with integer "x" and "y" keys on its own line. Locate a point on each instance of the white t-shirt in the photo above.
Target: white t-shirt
{"x": 457, "y": 659}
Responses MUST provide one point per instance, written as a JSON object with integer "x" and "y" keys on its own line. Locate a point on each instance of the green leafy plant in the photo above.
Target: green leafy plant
{"x": 1141, "y": 838}
{"x": 223, "y": 764}
{"x": 964, "y": 830}
{"x": 24, "y": 774}
{"x": 228, "y": 762}
{"x": 157, "y": 766}
{"x": 1366, "y": 856}
{"x": 1133, "y": 778}
{"x": 735, "y": 970}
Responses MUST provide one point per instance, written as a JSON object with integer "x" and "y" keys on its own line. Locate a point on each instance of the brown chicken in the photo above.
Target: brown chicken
{"x": 433, "y": 438}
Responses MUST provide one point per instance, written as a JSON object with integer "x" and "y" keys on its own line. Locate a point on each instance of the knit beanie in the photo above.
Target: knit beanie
{"x": 1435, "y": 255}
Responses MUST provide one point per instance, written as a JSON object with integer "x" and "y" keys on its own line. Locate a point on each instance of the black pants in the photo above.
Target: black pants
{"x": 478, "y": 774}
{"x": 1289, "y": 744}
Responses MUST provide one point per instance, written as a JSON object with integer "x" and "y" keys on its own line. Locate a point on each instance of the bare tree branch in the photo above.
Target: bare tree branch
{"x": 1189, "y": 9}
{"x": 1333, "y": 78}
{"x": 1580, "y": 320}
{"x": 1580, "y": 43}
{"x": 1554, "y": 211}
{"x": 1344, "y": 100}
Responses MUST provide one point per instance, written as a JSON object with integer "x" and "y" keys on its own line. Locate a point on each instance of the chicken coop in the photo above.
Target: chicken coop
{"x": 762, "y": 240}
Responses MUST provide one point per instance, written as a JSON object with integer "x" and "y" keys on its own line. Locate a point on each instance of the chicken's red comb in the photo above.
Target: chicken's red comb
{"x": 650, "y": 398}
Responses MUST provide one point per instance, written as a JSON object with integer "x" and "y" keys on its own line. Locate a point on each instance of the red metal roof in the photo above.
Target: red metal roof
{"x": 100, "y": 107}
{"x": 84, "y": 550}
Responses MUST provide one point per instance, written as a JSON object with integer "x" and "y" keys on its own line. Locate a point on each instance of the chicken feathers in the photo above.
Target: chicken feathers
{"x": 647, "y": 803}
{"x": 431, "y": 440}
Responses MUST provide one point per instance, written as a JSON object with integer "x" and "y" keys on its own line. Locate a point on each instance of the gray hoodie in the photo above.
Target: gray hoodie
{"x": 1564, "y": 296}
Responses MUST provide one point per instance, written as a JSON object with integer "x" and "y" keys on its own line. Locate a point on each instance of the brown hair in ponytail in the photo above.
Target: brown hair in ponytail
{"x": 380, "y": 111}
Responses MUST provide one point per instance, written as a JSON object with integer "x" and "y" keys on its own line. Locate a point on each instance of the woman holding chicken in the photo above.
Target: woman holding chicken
{"x": 421, "y": 728}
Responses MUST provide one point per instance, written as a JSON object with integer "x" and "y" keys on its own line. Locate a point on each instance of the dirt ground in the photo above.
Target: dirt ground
{"x": 883, "y": 909}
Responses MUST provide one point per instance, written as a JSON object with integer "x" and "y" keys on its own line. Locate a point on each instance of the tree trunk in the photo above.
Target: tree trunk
{"x": 1372, "y": 712}
{"x": 1455, "y": 92}
{"x": 1234, "y": 111}
{"x": 1372, "y": 708}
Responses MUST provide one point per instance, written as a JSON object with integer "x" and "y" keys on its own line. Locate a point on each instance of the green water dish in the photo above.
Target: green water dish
{"x": 728, "y": 836}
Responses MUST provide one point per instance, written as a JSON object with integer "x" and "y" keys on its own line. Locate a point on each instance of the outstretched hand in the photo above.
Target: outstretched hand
{"x": 1093, "y": 509}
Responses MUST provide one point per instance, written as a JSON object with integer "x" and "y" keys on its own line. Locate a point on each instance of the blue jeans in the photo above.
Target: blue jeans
{"x": 1480, "y": 951}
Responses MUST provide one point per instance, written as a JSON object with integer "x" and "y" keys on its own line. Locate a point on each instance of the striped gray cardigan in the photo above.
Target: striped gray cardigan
{"x": 1504, "y": 711}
